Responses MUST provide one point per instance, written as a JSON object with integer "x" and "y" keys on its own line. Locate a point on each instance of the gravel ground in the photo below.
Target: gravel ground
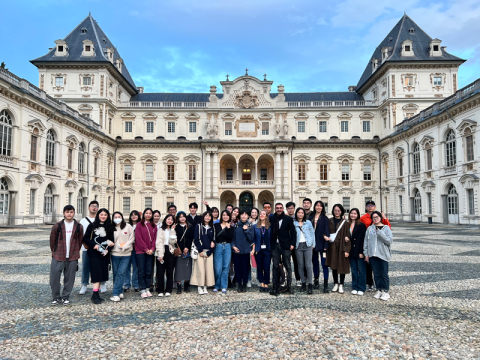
{"x": 433, "y": 313}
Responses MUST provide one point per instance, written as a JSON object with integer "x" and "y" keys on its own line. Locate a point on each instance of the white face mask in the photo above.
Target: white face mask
{"x": 117, "y": 221}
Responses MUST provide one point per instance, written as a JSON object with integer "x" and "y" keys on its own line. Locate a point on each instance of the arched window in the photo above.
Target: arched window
{"x": 4, "y": 196}
{"x": 451, "y": 149}
{"x": 50, "y": 153}
{"x": 417, "y": 203}
{"x": 81, "y": 158}
{"x": 48, "y": 201}
{"x": 416, "y": 158}
{"x": 79, "y": 209}
{"x": 5, "y": 133}
{"x": 452, "y": 200}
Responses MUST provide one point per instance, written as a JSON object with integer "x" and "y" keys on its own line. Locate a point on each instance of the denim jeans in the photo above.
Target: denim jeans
{"x": 221, "y": 265}
{"x": 131, "y": 277}
{"x": 263, "y": 259}
{"x": 380, "y": 273}
{"x": 144, "y": 263}
{"x": 359, "y": 274}
{"x": 85, "y": 269}
{"x": 119, "y": 267}
{"x": 304, "y": 261}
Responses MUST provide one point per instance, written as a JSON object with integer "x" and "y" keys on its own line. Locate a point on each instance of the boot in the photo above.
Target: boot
{"x": 240, "y": 288}
{"x": 274, "y": 291}
{"x": 290, "y": 289}
{"x": 96, "y": 298}
{"x": 303, "y": 288}
{"x": 310, "y": 289}
{"x": 179, "y": 288}
{"x": 316, "y": 284}
{"x": 186, "y": 286}
{"x": 325, "y": 286}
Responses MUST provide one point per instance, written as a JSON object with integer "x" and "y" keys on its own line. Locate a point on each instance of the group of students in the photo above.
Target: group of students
{"x": 217, "y": 249}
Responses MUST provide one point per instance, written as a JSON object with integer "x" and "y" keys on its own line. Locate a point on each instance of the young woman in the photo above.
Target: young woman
{"x": 156, "y": 220}
{"x": 202, "y": 268}
{"x": 321, "y": 225}
{"x": 215, "y": 214}
{"x": 376, "y": 248}
{"x": 357, "y": 260}
{"x": 262, "y": 236}
{"x": 183, "y": 262}
{"x": 223, "y": 251}
{"x": 339, "y": 250}
{"x": 304, "y": 249}
{"x": 131, "y": 275}
{"x": 121, "y": 253}
{"x": 253, "y": 216}
{"x": 99, "y": 239}
{"x": 145, "y": 237}
{"x": 235, "y": 215}
{"x": 243, "y": 247}
{"x": 165, "y": 246}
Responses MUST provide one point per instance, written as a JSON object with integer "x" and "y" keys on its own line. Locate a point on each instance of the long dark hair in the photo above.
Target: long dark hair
{"x": 258, "y": 213}
{"x": 122, "y": 224}
{"x": 228, "y": 214}
{"x": 182, "y": 213}
{"x": 215, "y": 209}
{"x": 377, "y": 213}
{"x": 304, "y": 219}
{"x": 314, "y": 212}
{"x": 143, "y": 217}
{"x": 107, "y": 224}
{"x": 130, "y": 217}
{"x": 159, "y": 214}
{"x": 342, "y": 210}
{"x": 357, "y": 220}
{"x": 164, "y": 223}
{"x": 211, "y": 218}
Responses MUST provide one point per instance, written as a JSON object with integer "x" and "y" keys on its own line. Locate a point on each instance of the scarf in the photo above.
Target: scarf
{"x": 276, "y": 229}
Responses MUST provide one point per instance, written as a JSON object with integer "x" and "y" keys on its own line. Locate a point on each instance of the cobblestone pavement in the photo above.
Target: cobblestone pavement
{"x": 434, "y": 312}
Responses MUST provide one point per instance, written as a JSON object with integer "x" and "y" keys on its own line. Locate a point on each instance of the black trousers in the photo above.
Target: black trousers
{"x": 335, "y": 277}
{"x": 167, "y": 267}
{"x": 280, "y": 255}
{"x": 369, "y": 275}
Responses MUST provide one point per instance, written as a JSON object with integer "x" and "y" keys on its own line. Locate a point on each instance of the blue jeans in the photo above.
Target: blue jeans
{"x": 119, "y": 267}
{"x": 221, "y": 265}
{"x": 324, "y": 267}
{"x": 380, "y": 273}
{"x": 359, "y": 274}
{"x": 263, "y": 259}
{"x": 144, "y": 263}
{"x": 131, "y": 277}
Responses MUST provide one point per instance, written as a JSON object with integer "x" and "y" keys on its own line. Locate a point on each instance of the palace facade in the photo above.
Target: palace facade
{"x": 404, "y": 136}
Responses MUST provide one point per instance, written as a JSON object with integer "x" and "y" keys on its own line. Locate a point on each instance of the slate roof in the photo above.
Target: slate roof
{"x": 400, "y": 33}
{"x": 174, "y": 97}
{"x": 324, "y": 96}
{"x": 75, "y": 47}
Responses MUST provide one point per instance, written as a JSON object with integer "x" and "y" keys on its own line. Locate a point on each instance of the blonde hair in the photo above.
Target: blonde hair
{"x": 267, "y": 222}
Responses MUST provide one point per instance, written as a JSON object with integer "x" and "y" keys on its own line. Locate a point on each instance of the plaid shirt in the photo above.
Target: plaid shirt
{"x": 75, "y": 242}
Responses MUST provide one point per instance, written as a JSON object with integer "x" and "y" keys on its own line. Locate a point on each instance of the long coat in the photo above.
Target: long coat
{"x": 336, "y": 259}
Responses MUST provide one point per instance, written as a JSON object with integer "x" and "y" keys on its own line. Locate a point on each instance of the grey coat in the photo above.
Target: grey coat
{"x": 377, "y": 242}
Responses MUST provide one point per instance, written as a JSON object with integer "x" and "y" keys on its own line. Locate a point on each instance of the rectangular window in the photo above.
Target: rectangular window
{"x": 110, "y": 126}
{"x": 323, "y": 172}
{"x": 170, "y": 172}
{"x": 33, "y": 148}
{"x": 437, "y": 81}
{"x": 301, "y": 172}
{"x": 126, "y": 205}
{"x": 408, "y": 79}
{"x": 263, "y": 174}
{"x": 407, "y": 47}
{"x": 228, "y": 128}
{"x": 429, "y": 202}
{"x": 60, "y": 48}
{"x": 95, "y": 166}
{"x": 435, "y": 47}
{"x": 149, "y": 172}
{"x": 192, "y": 127}
{"x": 471, "y": 202}
{"x": 87, "y": 47}
{"x": 170, "y": 201}
{"x": 59, "y": 81}
{"x": 128, "y": 126}
{"x": 109, "y": 170}
{"x": 325, "y": 202}
{"x": 265, "y": 128}
{"x": 229, "y": 174}
{"x": 32, "y": 201}
{"x": 344, "y": 126}
{"x": 345, "y": 172}
{"x": 367, "y": 199}
{"x": 301, "y": 126}
{"x": 148, "y": 202}
{"x": 385, "y": 166}
{"x": 127, "y": 172}
{"x": 192, "y": 172}
{"x": 171, "y": 127}
{"x": 367, "y": 172}
{"x": 70, "y": 158}
{"x": 469, "y": 141}
{"x": 150, "y": 127}
{"x": 346, "y": 204}
{"x": 400, "y": 203}
{"x": 429, "y": 159}
{"x": 366, "y": 126}
{"x": 322, "y": 126}
{"x": 87, "y": 81}
{"x": 400, "y": 167}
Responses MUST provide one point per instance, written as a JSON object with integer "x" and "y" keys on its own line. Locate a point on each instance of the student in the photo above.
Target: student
{"x": 367, "y": 220}
{"x": 87, "y": 220}
{"x": 253, "y": 216}
{"x": 262, "y": 232}
{"x": 268, "y": 208}
{"x": 229, "y": 208}
{"x": 183, "y": 262}
{"x": 284, "y": 238}
{"x": 216, "y": 215}
{"x": 223, "y": 251}
{"x": 131, "y": 275}
{"x": 339, "y": 249}
{"x": 202, "y": 268}
{"x": 193, "y": 218}
{"x": 235, "y": 215}
{"x": 321, "y": 224}
{"x": 165, "y": 246}
{"x": 121, "y": 253}
{"x": 290, "y": 206}
{"x": 157, "y": 215}
{"x": 243, "y": 247}
{"x": 172, "y": 209}
{"x": 376, "y": 248}
{"x": 100, "y": 239}
{"x": 357, "y": 260}
{"x": 307, "y": 206}
{"x": 304, "y": 247}
{"x": 145, "y": 237}
{"x": 66, "y": 240}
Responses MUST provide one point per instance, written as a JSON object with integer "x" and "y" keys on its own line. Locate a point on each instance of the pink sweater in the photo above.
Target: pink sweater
{"x": 145, "y": 238}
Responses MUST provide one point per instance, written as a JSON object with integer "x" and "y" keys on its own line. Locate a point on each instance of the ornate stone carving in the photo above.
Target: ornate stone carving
{"x": 42, "y": 79}
{"x": 414, "y": 81}
{"x": 444, "y": 79}
{"x": 393, "y": 85}
{"x": 247, "y": 126}
{"x": 246, "y": 100}
{"x": 454, "y": 82}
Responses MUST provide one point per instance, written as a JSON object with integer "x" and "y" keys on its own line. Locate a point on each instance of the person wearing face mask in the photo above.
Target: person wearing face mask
{"x": 121, "y": 252}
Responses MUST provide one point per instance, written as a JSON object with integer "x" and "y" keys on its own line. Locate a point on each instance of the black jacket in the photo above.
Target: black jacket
{"x": 321, "y": 228}
{"x": 357, "y": 238}
{"x": 287, "y": 235}
{"x": 184, "y": 241}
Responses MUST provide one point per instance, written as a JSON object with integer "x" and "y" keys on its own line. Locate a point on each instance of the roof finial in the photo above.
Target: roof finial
{"x": 246, "y": 71}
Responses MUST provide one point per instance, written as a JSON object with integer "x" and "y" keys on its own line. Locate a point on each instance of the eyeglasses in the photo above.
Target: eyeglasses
{"x": 376, "y": 217}
{"x": 370, "y": 206}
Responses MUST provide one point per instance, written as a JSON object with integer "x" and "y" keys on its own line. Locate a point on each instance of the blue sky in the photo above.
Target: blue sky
{"x": 186, "y": 46}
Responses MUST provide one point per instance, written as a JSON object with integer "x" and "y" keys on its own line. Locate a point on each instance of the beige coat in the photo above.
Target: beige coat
{"x": 125, "y": 236}
{"x": 160, "y": 243}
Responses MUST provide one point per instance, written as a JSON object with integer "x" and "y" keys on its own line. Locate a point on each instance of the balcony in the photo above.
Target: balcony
{"x": 162, "y": 104}
{"x": 7, "y": 161}
{"x": 247, "y": 183}
{"x": 362, "y": 103}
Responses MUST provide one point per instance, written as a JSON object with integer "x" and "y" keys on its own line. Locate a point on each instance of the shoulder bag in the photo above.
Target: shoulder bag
{"x": 334, "y": 235}
{"x": 177, "y": 251}
{"x": 194, "y": 250}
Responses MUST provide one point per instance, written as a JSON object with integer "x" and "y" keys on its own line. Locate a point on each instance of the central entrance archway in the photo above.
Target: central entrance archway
{"x": 246, "y": 201}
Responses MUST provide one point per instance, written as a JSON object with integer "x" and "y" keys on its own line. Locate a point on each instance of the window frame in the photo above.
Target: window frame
{"x": 228, "y": 128}
{"x": 345, "y": 174}
{"x": 170, "y": 172}
{"x": 127, "y": 172}
{"x": 302, "y": 172}
{"x": 192, "y": 172}
{"x": 301, "y": 127}
{"x": 450, "y": 149}
{"x": 128, "y": 126}
{"x": 265, "y": 128}
{"x": 190, "y": 125}
{"x": 322, "y": 126}
{"x": 366, "y": 124}
{"x": 171, "y": 127}
{"x": 149, "y": 170}
{"x": 150, "y": 127}
{"x": 344, "y": 126}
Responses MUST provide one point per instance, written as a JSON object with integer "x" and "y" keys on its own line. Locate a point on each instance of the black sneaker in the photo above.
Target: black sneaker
{"x": 66, "y": 302}
{"x": 137, "y": 290}
{"x": 55, "y": 302}
{"x": 125, "y": 290}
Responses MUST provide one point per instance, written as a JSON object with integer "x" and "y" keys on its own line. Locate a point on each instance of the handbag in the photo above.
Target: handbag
{"x": 177, "y": 251}
{"x": 194, "y": 252}
{"x": 334, "y": 235}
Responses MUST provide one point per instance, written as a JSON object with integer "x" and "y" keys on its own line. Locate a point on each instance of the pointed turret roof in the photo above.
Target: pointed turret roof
{"x": 87, "y": 29}
{"x": 405, "y": 29}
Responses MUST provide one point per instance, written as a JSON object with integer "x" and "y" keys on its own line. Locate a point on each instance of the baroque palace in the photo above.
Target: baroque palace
{"x": 404, "y": 136}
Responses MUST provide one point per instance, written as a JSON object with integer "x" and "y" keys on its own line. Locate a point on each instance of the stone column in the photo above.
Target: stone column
{"x": 207, "y": 176}
{"x": 285, "y": 175}
{"x": 412, "y": 208}
{"x": 256, "y": 172}
{"x": 85, "y": 206}
{"x": 11, "y": 210}
{"x": 238, "y": 182}
{"x": 278, "y": 176}
{"x": 215, "y": 175}
{"x": 445, "y": 209}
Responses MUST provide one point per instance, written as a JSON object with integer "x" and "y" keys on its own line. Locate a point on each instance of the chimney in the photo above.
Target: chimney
{"x": 352, "y": 88}
{"x": 140, "y": 89}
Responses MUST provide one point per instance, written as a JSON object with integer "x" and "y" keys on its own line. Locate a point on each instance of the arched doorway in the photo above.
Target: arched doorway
{"x": 246, "y": 201}
{"x": 417, "y": 206}
{"x": 452, "y": 201}
{"x": 4, "y": 197}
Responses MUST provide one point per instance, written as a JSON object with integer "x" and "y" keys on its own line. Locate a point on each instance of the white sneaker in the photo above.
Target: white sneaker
{"x": 385, "y": 296}
{"x": 340, "y": 289}
{"x": 149, "y": 294}
{"x": 224, "y": 291}
{"x": 160, "y": 294}
{"x": 249, "y": 284}
{"x": 354, "y": 292}
{"x": 360, "y": 293}
{"x": 115, "y": 298}
{"x": 299, "y": 283}
{"x": 378, "y": 294}
{"x": 205, "y": 290}
{"x": 120, "y": 296}
{"x": 167, "y": 294}
{"x": 200, "y": 290}
{"x": 103, "y": 288}
{"x": 143, "y": 294}
{"x": 83, "y": 290}
{"x": 335, "y": 288}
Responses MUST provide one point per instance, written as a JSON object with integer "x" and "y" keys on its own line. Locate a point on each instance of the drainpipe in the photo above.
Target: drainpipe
{"x": 380, "y": 171}
{"x": 114, "y": 175}
{"x": 412, "y": 215}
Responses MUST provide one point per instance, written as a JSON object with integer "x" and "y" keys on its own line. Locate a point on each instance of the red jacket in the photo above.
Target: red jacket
{"x": 367, "y": 220}
{"x": 76, "y": 241}
{"x": 145, "y": 238}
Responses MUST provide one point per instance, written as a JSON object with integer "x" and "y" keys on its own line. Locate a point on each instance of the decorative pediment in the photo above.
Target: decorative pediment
{"x": 128, "y": 116}
{"x": 126, "y": 190}
{"x": 324, "y": 190}
{"x": 410, "y": 107}
{"x": 148, "y": 189}
{"x": 301, "y": 116}
{"x": 192, "y": 190}
{"x": 370, "y": 157}
{"x": 265, "y": 116}
{"x": 301, "y": 157}
{"x": 85, "y": 107}
{"x": 427, "y": 140}
{"x": 97, "y": 150}
{"x": 109, "y": 189}
{"x": 170, "y": 157}
{"x": 467, "y": 124}
{"x": 149, "y": 116}
{"x": 399, "y": 151}
{"x": 344, "y": 157}
{"x": 34, "y": 178}
{"x": 228, "y": 116}
{"x": 346, "y": 191}
{"x": 368, "y": 191}
{"x": 36, "y": 124}
{"x": 428, "y": 183}
{"x": 170, "y": 190}
{"x": 146, "y": 157}
{"x": 71, "y": 183}
{"x": 110, "y": 156}
{"x": 302, "y": 190}
{"x": 366, "y": 115}
{"x": 192, "y": 116}
{"x": 399, "y": 188}
{"x": 191, "y": 157}
{"x": 325, "y": 157}
{"x": 345, "y": 115}
{"x": 323, "y": 116}
{"x": 96, "y": 187}
{"x": 469, "y": 177}
{"x": 72, "y": 139}
{"x": 125, "y": 157}
{"x": 170, "y": 116}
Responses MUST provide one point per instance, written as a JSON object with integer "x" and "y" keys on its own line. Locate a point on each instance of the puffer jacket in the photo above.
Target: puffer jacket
{"x": 377, "y": 243}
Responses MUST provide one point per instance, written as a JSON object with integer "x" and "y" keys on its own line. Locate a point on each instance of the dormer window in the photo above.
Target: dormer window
{"x": 384, "y": 53}
{"x": 411, "y": 30}
{"x": 83, "y": 30}
{"x": 407, "y": 48}
{"x": 435, "y": 48}
{"x": 87, "y": 48}
{"x": 61, "y": 48}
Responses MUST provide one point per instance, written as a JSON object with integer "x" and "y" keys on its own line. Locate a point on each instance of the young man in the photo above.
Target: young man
{"x": 66, "y": 239}
{"x": 229, "y": 208}
{"x": 367, "y": 220}
{"x": 268, "y": 208}
{"x": 291, "y": 212}
{"x": 307, "y": 205}
{"x": 284, "y": 239}
{"x": 290, "y": 209}
{"x": 172, "y": 210}
{"x": 92, "y": 212}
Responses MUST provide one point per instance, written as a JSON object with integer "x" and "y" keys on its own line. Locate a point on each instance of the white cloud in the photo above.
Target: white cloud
{"x": 321, "y": 21}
